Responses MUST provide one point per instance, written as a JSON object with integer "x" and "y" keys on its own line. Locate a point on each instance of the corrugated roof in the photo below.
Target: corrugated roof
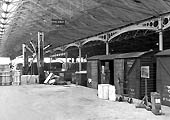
{"x": 131, "y": 55}
{"x": 103, "y": 57}
{"x": 164, "y": 53}
{"x": 118, "y": 56}
{"x": 97, "y": 57}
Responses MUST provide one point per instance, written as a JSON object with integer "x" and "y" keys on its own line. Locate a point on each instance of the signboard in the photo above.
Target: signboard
{"x": 145, "y": 71}
{"x": 58, "y": 22}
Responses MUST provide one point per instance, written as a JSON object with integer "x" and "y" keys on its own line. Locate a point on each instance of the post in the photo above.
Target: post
{"x": 160, "y": 35}
{"x": 80, "y": 67}
{"x": 66, "y": 55}
{"x": 146, "y": 91}
{"x": 146, "y": 86}
{"x": 50, "y": 64}
{"x": 40, "y": 57}
{"x": 25, "y": 58}
{"x": 24, "y": 54}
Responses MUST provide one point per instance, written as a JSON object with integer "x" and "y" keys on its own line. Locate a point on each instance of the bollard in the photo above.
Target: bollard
{"x": 156, "y": 103}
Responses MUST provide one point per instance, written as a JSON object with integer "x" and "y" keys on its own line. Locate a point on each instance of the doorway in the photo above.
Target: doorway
{"x": 107, "y": 72}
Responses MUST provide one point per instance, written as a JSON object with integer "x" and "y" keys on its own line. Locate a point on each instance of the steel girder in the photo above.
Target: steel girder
{"x": 155, "y": 24}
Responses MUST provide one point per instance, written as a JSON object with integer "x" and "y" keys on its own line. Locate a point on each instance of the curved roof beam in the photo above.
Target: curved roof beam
{"x": 71, "y": 45}
{"x": 130, "y": 28}
{"x": 93, "y": 39}
{"x": 58, "y": 49}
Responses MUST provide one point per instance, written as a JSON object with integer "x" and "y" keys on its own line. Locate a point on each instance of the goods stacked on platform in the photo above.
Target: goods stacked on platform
{"x": 106, "y": 92}
{"x": 16, "y": 77}
{"x": 29, "y": 79}
{"x": 5, "y": 71}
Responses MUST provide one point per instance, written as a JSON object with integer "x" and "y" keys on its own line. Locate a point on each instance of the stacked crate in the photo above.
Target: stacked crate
{"x": 16, "y": 77}
{"x": 29, "y": 79}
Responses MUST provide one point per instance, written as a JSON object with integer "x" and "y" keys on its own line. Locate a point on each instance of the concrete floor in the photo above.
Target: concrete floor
{"x": 44, "y": 102}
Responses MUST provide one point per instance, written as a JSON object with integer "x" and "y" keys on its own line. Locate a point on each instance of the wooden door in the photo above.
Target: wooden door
{"x": 119, "y": 75}
{"x": 163, "y": 79}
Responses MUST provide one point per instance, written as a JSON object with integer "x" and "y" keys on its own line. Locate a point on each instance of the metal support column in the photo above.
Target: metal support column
{"x": 107, "y": 45}
{"x": 80, "y": 67}
{"x": 160, "y": 35}
{"x": 107, "y": 48}
{"x": 40, "y": 57}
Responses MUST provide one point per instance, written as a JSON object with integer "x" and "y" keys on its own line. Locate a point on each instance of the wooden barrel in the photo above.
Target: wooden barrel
{"x": 5, "y": 78}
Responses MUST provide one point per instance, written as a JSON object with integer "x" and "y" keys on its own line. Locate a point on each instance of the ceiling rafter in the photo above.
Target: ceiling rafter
{"x": 84, "y": 18}
{"x": 45, "y": 9}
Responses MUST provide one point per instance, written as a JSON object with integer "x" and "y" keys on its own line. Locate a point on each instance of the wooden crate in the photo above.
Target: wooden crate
{"x": 29, "y": 79}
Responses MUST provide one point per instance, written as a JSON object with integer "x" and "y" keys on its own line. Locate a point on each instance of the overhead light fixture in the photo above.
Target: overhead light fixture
{"x": 2, "y": 28}
{"x": 44, "y": 20}
{"x": 6, "y": 12}
{"x": 3, "y": 24}
{"x": 137, "y": 1}
{"x": 5, "y": 18}
{"x": 7, "y": 2}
